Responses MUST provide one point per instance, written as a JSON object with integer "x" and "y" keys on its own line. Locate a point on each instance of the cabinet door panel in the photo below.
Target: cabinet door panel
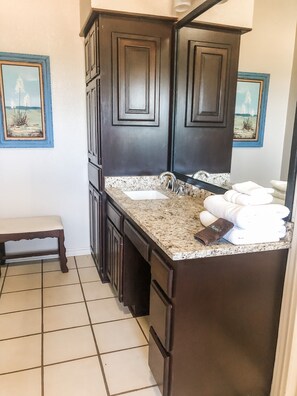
{"x": 114, "y": 258}
{"x": 93, "y": 121}
{"x": 136, "y": 79}
{"x": 97, "y": 218}
{"x": 138, "y": 241}
{"x": 159, "y": 363}
{"x": 114, "y": 215}
{"x": 208, "y": 67}
{"x": 135, "y": 91}
{"x": 160, "y": 315}
{"x": 87, "y": 58}
{"x": 92, "y": 53}
{"x": 96, "y": 232}
{"x": 109, "y": 250}
{"x": 89, "y": 123}
{"x": 93, "y": 50}
{"x": 117, "y": 263}
{"x": 91, "y": 211}
{"x": 162, "y": 273}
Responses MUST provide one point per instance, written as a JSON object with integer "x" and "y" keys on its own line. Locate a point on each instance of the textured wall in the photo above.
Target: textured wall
{"x": 50, "y": 181}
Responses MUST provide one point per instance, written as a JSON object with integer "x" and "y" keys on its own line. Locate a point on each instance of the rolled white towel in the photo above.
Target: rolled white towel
{"x": 251, "y": 188}
{"x": 246, "y": 217}
{"x": 238, "y": 236}
{"x": 279, "y": 185}
{"x": 244, "y": 199}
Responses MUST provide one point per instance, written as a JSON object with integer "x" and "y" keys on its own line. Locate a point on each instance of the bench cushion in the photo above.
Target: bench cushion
{"x": 30, "y": 224}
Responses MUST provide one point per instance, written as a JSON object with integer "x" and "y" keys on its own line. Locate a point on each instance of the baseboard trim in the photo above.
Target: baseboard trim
{"x": 69, "y": 253}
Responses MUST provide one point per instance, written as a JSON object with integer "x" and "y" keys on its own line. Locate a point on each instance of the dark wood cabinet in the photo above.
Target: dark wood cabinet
{"x": 93, "y": 121}
{"x": 92, "y": 53}
{"x": 127, "y": 106}
{"x": 206, "y": 80}
{"x": 128, "y": 103}
{"x": 135, "y": 54}
{"x": 114, "y": 252}
{"x": 95, "y": 208}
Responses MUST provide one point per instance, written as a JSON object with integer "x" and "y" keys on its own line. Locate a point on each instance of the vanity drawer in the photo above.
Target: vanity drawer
{"x": 160, "y": 315}
{"x": 138, "y": 241}
{"x": 114, "y": 215}
{"x": 159, "y": 363}
{"x": 95, "y": 176}
{"x": 162, "y": 273}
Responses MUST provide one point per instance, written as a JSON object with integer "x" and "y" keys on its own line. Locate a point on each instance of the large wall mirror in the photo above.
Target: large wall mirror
{"x": 270, "y": 48}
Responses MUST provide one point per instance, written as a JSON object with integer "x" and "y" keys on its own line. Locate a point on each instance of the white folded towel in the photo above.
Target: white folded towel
{"x": 251, "y": 188}
{"x": 278, "y": 201}
{"x": 244, "y": 199}
{"x": 279, "y": 194}
{"x": 246, "y": 217}
{"x": 279, "y": 185}
{"x": 238, "y": 236}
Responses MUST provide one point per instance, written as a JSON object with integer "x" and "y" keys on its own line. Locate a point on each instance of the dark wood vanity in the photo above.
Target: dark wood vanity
{"x": 214, "y": 320}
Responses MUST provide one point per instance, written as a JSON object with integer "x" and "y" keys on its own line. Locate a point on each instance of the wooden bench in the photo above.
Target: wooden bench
{"x": 16, "y": 229}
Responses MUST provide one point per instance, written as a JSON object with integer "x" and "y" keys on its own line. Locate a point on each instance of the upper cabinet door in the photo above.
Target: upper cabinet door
{"x": 136, "y": 79}
{"x": 135, "y": 66}
{"x": 208, "y": 70}
{"x": 206, "y": 80}
{"x": 92, "y": 52}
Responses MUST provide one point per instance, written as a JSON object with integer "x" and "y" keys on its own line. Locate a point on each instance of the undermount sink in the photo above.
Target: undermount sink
{"x": 142, "y": 195}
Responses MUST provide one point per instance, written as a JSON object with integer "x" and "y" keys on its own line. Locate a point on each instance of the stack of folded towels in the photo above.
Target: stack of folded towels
{"x": 279, "y": 191}
{"x": 248, "y": 206}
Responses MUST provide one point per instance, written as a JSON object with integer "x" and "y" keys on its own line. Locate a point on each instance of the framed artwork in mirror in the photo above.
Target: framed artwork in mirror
{"x": 250, "y": 109}
{"x": 25, "y": 93}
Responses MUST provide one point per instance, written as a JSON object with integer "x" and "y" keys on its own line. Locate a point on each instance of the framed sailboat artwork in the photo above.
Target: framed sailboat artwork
{"x": 250, "y": 109}
{"x": 25, "y": 93}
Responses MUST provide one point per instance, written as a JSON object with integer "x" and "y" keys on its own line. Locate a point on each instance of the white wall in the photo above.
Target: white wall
{"x": 152, "y": 7}
{"x": 290, "y": 116}
{"x": 37, "y": 182}
{"x": 269, "y": 48}
{"x": 232, "y": 13}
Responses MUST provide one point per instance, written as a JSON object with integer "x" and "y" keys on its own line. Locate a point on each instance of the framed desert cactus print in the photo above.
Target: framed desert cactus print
{"x": 25, "y": 93}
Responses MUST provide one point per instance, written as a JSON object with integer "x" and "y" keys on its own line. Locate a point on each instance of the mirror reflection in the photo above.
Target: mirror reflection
{"x": 271, "y": 48}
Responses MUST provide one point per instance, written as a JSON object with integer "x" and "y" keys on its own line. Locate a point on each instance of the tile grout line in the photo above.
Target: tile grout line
{"x": 134, "y": 390}
{"x": 98, "y": 355}
{"x": 142, "y": 330}
{"x": 93, "y": 333}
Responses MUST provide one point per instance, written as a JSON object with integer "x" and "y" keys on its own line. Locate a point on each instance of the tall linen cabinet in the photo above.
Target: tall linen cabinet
{"x": 128, "y": 68}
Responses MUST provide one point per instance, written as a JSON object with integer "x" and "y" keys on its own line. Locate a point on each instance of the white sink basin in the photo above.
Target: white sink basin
{"x": 142, "y": 195}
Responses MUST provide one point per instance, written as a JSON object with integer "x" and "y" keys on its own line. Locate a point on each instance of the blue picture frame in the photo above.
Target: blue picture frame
{"x": 25, "y": 101}
{"x": 250, "y": 109}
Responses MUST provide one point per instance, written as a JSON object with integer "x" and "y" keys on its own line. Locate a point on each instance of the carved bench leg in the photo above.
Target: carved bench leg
{"x": 2, "y": 254}
{"x": 62, "y": 251}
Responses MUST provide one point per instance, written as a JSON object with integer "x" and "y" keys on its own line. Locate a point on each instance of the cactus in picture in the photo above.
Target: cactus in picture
{"x": 20, "y": 118}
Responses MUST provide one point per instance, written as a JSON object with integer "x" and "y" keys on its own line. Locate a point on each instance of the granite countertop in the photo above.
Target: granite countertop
{"x": 171, "y": 223}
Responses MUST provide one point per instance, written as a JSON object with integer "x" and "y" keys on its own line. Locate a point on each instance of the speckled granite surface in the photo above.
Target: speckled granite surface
{"x": 172, "y": 223}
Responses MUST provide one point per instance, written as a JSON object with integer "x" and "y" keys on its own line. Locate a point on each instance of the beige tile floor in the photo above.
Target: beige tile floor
{"x": 67, "y": 334}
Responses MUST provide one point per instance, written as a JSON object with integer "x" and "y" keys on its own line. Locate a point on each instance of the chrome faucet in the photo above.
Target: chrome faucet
{"x": 168, "y": 180}
{"x": 201, "y": 173}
